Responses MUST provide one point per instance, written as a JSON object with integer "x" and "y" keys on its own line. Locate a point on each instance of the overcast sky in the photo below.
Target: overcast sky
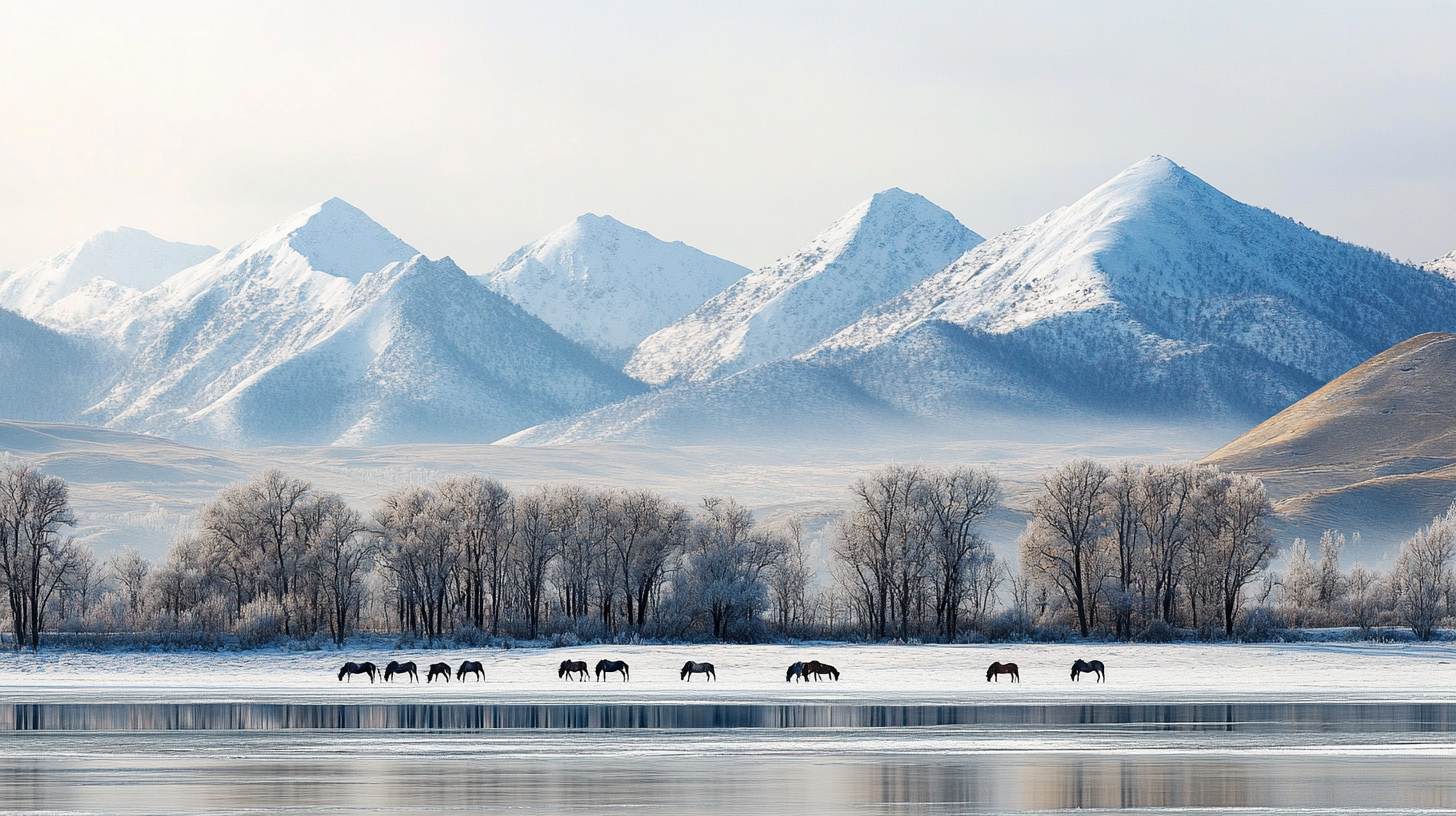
{"x": 743, "y": 129}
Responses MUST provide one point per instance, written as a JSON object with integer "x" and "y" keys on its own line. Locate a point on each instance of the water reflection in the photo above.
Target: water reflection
{"x": 1003, "y": 783}
{"x": 1243, "y": 718}
{"x": 764, "y": 760}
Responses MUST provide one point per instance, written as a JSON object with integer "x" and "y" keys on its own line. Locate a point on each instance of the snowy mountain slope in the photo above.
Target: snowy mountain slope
{"x": 1446, "y": 265}
{"x": 45, "y": 374}
{"x": 1153, "y": 292}
{"x": 197, "y": 335}
{"x": 607, "y": 285}
{"x": 421, "y": 352}
{"x": 129, "y": 257}
{"x": 887, "y": 243}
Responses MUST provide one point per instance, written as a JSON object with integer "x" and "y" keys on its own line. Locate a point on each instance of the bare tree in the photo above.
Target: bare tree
{"x": 877, "y": 545}
{"x": 1068, "y": 521}
{"x": 957, "y": 501}
{"x": 788, "y": 580}
{"x": 34, "y": 560}
{"x": 1245, "y": 543}
{"x": 340, "y": 558}
{"x": 480, "y": 513}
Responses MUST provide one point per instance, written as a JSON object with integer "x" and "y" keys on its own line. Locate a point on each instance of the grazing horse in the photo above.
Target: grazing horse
{"x": 396, "y": 667}
{"x": 569, "y": 669}
{"x": 352, "y": 669}
{"x": 998, "y": 669}
{"x": 796, "y": 670}
{"x": 605, "y": 667}
{"x": 438, "y": 670}
{"x": 1085, "y": 667}
{"x": 470, "y": 667}
{"x": 816, "y": 668}
{"x": 690, "y": 668}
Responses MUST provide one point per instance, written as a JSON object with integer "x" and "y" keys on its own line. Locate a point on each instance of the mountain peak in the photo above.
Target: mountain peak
{"x": 339, "y": 239}
{"x": 887, "y": 243}
{"x": 130, "y": 257}
{"x": 607, "y": 285}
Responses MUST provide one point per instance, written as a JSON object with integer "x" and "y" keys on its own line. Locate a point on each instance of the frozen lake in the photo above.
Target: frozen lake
{"x": 1263, "y": 729}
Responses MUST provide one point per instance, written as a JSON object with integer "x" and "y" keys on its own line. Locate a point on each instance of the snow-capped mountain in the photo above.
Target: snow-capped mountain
{"x": 124, "y": 257}
{"x": 1153, "y": 292}
{"x": 197, "y": 335}
{"x": 876, "y": 250}
{"x": 329, "y": 328}
{"x": 421, "y": 352}
{"x": 607, "y": 285}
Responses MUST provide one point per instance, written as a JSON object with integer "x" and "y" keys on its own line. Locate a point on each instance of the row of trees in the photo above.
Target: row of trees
{"x": 1112, "y": 551}
{"x": 1123, "y": 547}
{"x": 1418, "y": 592}
{"x": 277, "y": 555}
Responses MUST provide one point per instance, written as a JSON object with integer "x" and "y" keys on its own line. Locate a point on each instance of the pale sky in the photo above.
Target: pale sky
{"x": 469, "y": 129}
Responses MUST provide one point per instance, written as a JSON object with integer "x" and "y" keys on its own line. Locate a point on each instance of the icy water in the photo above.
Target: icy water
{"x": 727, "y": 758}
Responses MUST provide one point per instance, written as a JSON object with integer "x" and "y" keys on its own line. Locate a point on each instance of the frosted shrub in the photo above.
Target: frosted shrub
{"x": 1157, "y": 632}
{"x": 1259, "y": 625}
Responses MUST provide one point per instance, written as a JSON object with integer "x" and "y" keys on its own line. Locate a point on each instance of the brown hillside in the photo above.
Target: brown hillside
{"x": 1370, "y": 451}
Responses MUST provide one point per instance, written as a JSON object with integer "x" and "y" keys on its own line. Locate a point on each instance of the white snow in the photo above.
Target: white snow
{"x": 876, "y": 250}
{"x": 870, "y": 674}
{"x": 607, "y": 285}
{"x": 1162, "y": 286}
{"x": 1446, "y": 265}
{"x": 260, "y": 345}
{"x": 123, "y": 256}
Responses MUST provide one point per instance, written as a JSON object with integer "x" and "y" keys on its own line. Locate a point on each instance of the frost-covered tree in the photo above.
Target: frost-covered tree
{"x": 129, "y": 570}
{"x": 1422, "y": 575}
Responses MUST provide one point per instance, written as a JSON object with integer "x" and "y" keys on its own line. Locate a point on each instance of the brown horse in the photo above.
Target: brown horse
{"x": 438, "y": 670}
{"x": 998, "y": 669}
{"x": 570, "y": 668}
{"x": 1086, "y": 667}
{"x": 816, "y": 668}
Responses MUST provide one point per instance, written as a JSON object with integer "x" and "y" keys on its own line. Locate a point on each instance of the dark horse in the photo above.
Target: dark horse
{"x": 396, "y": 667}
{"x": 352, "y": 669}
{"x": 796, "y": 670}
{"x": 816, "y": 668}
{"x": 470, "y": 667}
{"x": 438, "y": 670}
{"x": 690, "y": 668}
{"x": 605, "y": 667}
{"x": 998, "y": 669}
{"x": 1085, "y": 667}
{"x": 571, "y": 668}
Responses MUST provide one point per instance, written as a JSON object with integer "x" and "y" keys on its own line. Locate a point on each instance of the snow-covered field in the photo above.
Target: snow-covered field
{"x": 871, "y": 674}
